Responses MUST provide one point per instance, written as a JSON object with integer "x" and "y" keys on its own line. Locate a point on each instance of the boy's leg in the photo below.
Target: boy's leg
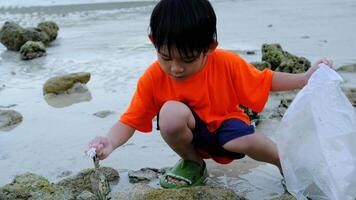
{"x": 176, "y": 123}
{"x": 256, "y": 146}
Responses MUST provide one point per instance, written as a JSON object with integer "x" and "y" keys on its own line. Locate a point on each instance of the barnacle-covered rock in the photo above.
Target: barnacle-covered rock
{"x": 31, "y": 50}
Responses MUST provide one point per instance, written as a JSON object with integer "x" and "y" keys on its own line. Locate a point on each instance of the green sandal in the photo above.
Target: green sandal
{"x": 186, "y": 171}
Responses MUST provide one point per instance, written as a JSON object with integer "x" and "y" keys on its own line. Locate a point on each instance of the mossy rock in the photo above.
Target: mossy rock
{"x": 347, "y": 68}
{"x": 49, "y": 27}
{"x": 60, "y": 84}
{"x": 11, "y": 36}
{"x": 262, "y": 65}
{"x": 192, "y": 193}
{"x": 35, "y": 34}
{"x": 30, "y": 186}
{"x": 279, "y": 112}
{"x": 285, "y": 197}
{"x": 9, "y": 119}
{"x": 283, "y": 61}
{"x": 82, "y": 181}
{"x": 31, "y": 50}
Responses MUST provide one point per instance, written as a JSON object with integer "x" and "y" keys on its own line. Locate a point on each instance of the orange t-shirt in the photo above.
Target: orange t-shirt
{"x": 214, "y": 93}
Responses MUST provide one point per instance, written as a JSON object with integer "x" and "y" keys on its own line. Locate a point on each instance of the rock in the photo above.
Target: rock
{"x": 104, "y": 113}
{"x": 145, "y": 192}
{"x": 136, "y": 192}
{"x": 86, "y": 195}
{"x": 82, "y": 181}
{"x": 192, "y": 193}
{"x": 30, "y": 186}
{"x": 250, "y": 113}
{"x": 347, "y": 68}
{"x": 281, "y": 109}
{"x": 49, "y": 27}
{"x": 9, "y": 119}
{"x": 261, "y": 65}
{"x": 11, "y": 36}
{"x": 285, "y": 197}
{"x": 35, "y": 34}
{"x": 64, "y": 174}
{"x": 60, "y": 84}
{"x": 76, "y": 94}
{"x": 351, "y": 95}
{"x": 283, "y": 61}
{"x": 144, "y": 174}
{"x": 33, "y": 187}
{"x": 32, "y": 50}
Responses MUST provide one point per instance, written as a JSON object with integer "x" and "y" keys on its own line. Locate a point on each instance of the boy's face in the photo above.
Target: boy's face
{"x": 180, "y": 68}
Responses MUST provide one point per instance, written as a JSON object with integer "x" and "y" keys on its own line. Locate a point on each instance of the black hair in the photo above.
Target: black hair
{"x": 187, "y": 25}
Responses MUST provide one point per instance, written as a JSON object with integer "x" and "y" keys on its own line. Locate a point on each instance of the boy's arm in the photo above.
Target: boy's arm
{"x": 285, "y": 81}
{"x": 119, "y": 134}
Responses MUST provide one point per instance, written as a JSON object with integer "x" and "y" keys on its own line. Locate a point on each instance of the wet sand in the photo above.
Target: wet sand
{"x": 111, "y": 44}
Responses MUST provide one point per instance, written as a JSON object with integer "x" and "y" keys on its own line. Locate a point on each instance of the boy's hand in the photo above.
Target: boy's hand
{"x": 102, "y": 145}
{"x": 315, "y": 66}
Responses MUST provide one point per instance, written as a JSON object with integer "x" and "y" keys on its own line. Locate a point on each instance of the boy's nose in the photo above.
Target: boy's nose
{"x": 175, "y": 68}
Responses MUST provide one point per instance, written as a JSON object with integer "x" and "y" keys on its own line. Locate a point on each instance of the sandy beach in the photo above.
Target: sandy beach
{"x": 109, "y": 40}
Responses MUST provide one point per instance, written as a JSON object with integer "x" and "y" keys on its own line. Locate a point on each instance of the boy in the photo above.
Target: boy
{"x": 195, "y": 91}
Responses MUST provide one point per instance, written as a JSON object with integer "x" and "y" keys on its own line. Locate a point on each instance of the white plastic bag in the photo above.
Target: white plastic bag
{"x": 317, "y": 141}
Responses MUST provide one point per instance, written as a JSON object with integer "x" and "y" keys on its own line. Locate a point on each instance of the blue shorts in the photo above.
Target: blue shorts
{"x": 211, "y": 144}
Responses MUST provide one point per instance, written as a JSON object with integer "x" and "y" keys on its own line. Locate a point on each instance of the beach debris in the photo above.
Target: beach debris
{"x": 9, "y": 119}
{"x": 32, "y": 50}
{"x": 61, "y": 84}
{"x": 100, "y": 185}
{"x": 104, "y": 113}
{"x": 144, "y": 174}
{"x": 283, "y": 61}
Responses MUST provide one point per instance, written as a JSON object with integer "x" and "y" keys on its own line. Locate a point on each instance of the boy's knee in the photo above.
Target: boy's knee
{"x": 173, "y": 117}
{"x": 240, "y": 145}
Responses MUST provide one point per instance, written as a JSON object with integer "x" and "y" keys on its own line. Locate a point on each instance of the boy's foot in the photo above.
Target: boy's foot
{"x": 184, "y": 174}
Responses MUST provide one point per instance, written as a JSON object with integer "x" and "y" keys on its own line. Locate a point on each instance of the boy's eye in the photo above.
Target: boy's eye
{"x": 189, "y": 60}
{"x": 166, "y": 58}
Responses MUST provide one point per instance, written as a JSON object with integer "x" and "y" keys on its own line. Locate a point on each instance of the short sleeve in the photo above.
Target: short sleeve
{"x": 142, "y": 108}
{"x": 252, "y": 85}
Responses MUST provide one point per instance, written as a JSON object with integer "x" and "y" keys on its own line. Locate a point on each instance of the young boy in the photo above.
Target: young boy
{"x": 195, "y": 91}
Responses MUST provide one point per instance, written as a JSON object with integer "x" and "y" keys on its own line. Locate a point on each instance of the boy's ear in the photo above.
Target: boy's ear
{"x": 213, "y": 46}
{"x": 151, "y": 38}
